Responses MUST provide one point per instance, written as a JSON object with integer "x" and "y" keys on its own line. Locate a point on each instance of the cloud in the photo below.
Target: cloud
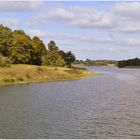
{"x": 128, "y": 26}
{"x": 71, "y": 37}
{"x": 118, "y": 18}
{"x": 127, "y": 9}
{"x": 9, "y": 22}
{"x": 20, "y": 6}
{"x": 77, "y": 16}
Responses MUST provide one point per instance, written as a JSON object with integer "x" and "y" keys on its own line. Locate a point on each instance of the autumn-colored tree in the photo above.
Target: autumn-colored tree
{"x": 22, "y": 50}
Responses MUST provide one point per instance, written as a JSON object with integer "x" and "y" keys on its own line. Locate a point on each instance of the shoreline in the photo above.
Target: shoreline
{"x": 19, "y": 74}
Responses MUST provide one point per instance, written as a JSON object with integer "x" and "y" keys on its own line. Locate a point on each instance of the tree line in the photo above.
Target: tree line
{"x": 20, "y": 48}
{"x": 129, "y": 62}
{"x": 89, "y": 62}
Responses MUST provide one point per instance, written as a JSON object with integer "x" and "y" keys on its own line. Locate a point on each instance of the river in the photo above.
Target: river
{"x": 106, "y": 106}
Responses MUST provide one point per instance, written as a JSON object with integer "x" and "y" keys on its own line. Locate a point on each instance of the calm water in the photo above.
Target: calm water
{"x": 106, "y": 106}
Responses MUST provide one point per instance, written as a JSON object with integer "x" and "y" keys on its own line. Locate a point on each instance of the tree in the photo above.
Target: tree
{"x": 5, "y": 40}
{"x": 52, "y": 46}
{"x": 40, "y": 50}
{"x": 62, "y": 54}
{"x": 129, "y": 62}
{"x": 70, "y": 58}
{"x": 22, "y": 50}
{"x": 21, "y": 32}
{"x": 53, "y": 59}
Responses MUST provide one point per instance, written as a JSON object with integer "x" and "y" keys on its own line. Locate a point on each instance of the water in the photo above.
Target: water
{"x": 106, "y": 106}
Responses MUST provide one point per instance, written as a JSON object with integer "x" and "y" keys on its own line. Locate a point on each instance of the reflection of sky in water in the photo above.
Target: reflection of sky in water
{"x": 127, "y": 74}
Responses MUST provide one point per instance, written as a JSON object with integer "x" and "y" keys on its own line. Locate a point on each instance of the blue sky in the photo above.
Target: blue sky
{"x": 95, "y": 30}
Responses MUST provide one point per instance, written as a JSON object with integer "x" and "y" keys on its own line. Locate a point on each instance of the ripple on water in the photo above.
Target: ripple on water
{"x": 96, "y": 107}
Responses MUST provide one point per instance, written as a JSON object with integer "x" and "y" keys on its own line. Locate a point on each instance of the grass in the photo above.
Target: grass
{"x": 21, "y": 74}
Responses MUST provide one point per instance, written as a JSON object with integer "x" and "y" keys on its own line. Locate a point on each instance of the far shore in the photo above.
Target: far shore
{"x": 24, "y": 74}
{"x": 136, "y": 67}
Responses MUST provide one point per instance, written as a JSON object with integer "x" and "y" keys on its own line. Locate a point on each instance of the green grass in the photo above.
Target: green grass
{"x": 21, "y": 74}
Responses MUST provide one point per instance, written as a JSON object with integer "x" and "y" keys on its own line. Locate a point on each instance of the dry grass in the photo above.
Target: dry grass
{"x": 19, "y": 74}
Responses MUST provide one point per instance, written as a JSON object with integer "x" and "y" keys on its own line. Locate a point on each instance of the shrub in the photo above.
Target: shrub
{"x": 10, "y": 80}
{"x": 53, "y": 59}
{"x": 20, "y": 79}
{"x": 4, "y": 61}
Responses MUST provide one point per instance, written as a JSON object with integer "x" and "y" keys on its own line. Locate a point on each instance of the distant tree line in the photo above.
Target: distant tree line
{"x": 89, "y": 62}
{"x": 20, "y": 48}
{"x": 129, "y": 62}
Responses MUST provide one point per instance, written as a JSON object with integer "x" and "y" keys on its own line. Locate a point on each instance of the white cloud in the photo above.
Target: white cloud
{"x": 77, "y": 16}
{"x": 116, "y": 19}
{"x": 72, "y": 37}
{"x": 127, "y": 9}
{"x": 127, "y": 26}
{"x": 14, "y": 6}
{"x": 9, "y": 22}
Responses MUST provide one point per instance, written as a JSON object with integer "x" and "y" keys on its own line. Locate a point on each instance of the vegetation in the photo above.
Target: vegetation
{"x": 89, "y": 62}
{"x": 24, "y": 59}
{"x": 21, "y": 49}
{"x": 23, "y": 73}
{"x": 4, "y": 61}
{"x": 5, "y": 40}
{"x": 129, "y": 63}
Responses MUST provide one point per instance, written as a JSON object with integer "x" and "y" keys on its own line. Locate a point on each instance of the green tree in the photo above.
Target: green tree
{"x": 5, "y": 40}
{"x": 52, "y": 46}
{"x": 40, "y": 50}
{"x": 54, "y": 56}
{"x": 62, "y": 54}
{"x": 70, "y": 58}
{"x": 53, "y": 59}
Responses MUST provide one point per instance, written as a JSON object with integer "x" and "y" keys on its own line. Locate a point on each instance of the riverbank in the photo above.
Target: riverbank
{"x": 132, "y": 67}
{"x": 21, "y": 74}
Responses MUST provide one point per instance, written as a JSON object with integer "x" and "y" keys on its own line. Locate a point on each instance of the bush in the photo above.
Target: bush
{"x": 4, "y": 61}
{"x": 10, "y": 80}
{"x": 53, "y": 59}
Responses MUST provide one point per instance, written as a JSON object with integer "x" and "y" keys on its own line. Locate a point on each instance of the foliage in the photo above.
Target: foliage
{"x": 21, "y": 49}
{"x": 56, "y": 57}
{"x": 89, "y": 62}
{"x": 40, "y": 50}
{"x": 53, "y": 59}
{"x": 5, "y": 40}
{"x": 70, "y": 58}
{"x": 52, "y": 46}
{"x": 129, "y": 62}
{"x": 4, "y": 61}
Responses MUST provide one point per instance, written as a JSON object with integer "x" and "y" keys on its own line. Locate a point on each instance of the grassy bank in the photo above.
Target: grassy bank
{"x": 20, "y": 74}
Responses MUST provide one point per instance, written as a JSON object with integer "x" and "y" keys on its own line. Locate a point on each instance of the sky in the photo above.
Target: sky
{"x": 94, "y": 30}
